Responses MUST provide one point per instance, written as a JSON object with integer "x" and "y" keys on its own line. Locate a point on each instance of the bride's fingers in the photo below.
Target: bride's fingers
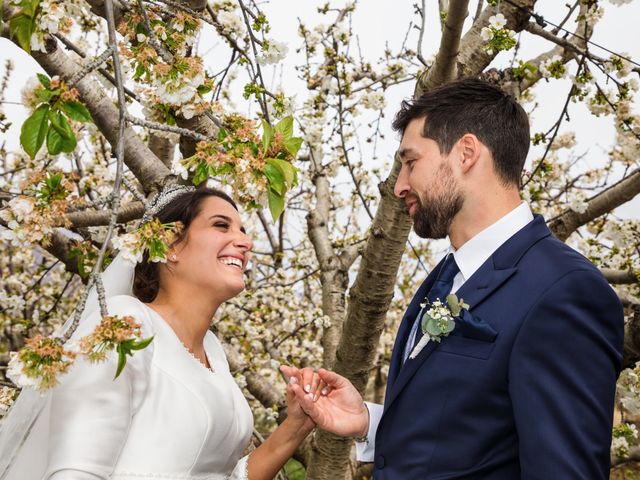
{"x": 289, "y": 372}
{"x": 315, "y": 386}
{"x": 320, "y": 388}
{"x": 306, "y": 402}
{"x": 307, "y": 379}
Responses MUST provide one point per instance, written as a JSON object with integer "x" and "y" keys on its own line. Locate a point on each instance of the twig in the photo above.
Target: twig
{"x": 166, "y": 56}
{"x": 102, "y": 71}
{"x": 95, "y": 278}
{"x": 423, "y": 16}
{"x": 90, "y": 66}
{"x": 167, "y": 128}
{"x": 556, "y": 128}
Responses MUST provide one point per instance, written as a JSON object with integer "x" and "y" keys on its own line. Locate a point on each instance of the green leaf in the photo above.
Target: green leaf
{"x": 55, "y": 142}
{"x": 34, "y": 130}
{"x": 44, "y": 95}
{"x": 77, "y": 111}
{"x": 222, "y": 134}
{"x": 267, "y": 136}
{"x": 276, "y": 178}
{"x": 142, "y": 344}
{"x": 201, "y": 174}
{"x": 61, "y": 137}
{"x": 276, "y": 204}
{"x": 61, "y": 128}
{"x": 140, "y": 70}
{"x": 285, "y": 127}
{"x": 122, "y": 361}
{"x": 60, "y": 123}
{"x": 44, "y": 80}
{"x": 30, "y": 7}
{"x": 292, "y": 145}
{"x": 20, "y": 27}
{"x": 202, "y": 89}
{"x": 288, "y": 171}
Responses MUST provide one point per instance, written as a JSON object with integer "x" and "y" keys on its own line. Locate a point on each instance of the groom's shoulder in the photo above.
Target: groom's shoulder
{"x": 553, "y": 259}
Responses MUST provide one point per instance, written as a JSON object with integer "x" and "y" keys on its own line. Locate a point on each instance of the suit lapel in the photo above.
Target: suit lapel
{"x": 490, "y": 276}
{"x": 406, "y": 324}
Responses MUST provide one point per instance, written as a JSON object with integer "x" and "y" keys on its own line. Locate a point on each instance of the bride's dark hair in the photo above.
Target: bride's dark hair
{"x": 185, "y": 208}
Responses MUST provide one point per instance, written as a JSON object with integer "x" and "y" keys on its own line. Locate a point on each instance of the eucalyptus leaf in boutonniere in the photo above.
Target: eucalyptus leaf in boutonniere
{"x": 438, "y": 321}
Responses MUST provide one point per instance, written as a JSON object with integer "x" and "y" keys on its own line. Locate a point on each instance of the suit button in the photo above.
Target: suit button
{"x": 379, "y": 462}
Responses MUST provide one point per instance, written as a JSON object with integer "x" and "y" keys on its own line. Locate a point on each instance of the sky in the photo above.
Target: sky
{"x": 379, "y": 23}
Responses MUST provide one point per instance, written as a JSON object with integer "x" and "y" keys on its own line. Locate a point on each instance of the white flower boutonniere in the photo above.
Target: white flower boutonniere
{"x": 438, "y": 321}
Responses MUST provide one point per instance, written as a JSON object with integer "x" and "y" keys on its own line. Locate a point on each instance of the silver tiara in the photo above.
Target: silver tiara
{"x": 163, "y": 198}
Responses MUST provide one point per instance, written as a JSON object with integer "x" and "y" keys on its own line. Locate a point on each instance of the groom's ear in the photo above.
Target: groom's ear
{"x": 469, "y": 148}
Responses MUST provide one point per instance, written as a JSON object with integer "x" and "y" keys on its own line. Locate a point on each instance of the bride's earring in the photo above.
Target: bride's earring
{"x": 174, "y": 257}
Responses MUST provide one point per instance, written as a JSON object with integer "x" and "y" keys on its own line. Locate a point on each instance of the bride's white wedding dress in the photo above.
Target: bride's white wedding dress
{"x": 166, "y": 416}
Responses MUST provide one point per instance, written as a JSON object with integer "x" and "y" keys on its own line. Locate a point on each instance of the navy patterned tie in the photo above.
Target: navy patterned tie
{"x": 439, "y": 290}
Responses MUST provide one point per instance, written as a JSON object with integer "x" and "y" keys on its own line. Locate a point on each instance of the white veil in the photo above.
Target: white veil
{"x": 24, "y": 432}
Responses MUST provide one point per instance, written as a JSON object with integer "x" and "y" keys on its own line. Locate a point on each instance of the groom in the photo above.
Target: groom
{"x": 523, "y": 386}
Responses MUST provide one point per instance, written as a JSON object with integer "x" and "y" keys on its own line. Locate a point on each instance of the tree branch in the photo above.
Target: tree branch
{"x": 93, "y": 218}
{"x": 472, "y": 58}
{"x": 631, "y": 353}
{"x": 617, "y": 194}
{"x": 621, "y": 277}
{"x": 443, "y": 69}
{"x": 147, "y": 168}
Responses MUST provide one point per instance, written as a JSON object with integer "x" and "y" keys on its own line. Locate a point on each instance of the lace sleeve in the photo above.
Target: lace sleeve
{"x": 241, "y": 471}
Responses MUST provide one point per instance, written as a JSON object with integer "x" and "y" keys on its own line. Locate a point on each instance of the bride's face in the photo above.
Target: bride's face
{"x": 214, "y": 253}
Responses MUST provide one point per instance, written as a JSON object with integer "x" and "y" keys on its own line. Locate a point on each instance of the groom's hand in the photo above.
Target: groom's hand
{"x": 340, "y": 411}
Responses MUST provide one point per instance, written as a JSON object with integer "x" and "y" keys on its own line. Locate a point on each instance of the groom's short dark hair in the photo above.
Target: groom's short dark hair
{"x": 471, "y": 105}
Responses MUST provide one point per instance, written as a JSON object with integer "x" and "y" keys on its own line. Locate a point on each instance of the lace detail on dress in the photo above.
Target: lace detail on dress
{"x": 191, "y": 354}
{"x": 241, "y": 472}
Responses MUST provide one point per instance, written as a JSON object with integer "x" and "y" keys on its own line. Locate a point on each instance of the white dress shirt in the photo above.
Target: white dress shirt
{"x": 469, "y": 258}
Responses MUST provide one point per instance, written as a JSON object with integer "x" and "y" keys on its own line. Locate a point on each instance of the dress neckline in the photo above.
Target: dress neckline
{"x": 209, "y": 369}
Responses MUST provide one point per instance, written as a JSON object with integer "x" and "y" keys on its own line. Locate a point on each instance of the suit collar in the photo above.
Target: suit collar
{"x": 470, "y": 256}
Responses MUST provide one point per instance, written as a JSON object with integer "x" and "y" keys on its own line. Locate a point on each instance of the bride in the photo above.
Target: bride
{"x": 175, "y": 412}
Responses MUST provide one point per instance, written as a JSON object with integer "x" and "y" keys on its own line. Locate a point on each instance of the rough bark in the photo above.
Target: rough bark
{"x": 601, "y": 203}
{"x": 472, "y": 58}
{"x": 59, "y": 248}
{"x": 333, "y": 275}
{"x": 331, "y": 453}
{"x": 631, "y": 353}
{"x": 97, "y": 7}
{"x": 621, "y": 277}
{"x": 444, "y": 67}
{"x": 147, "y": 168}
{"x": 201, "y": 124}
{"x": 92, "y": 218}
{"x": 162, "y": 147}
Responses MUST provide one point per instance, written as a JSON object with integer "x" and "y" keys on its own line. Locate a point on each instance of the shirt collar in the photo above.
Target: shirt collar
{"x": 476, "y": 251}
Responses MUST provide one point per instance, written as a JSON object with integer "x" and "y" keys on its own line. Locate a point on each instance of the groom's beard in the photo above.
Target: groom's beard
{"x": 433, "y": 217}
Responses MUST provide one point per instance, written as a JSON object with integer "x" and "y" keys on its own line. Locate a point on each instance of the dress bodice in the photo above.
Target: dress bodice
{"x": 166, "y": 416}
{"x": 193, "y": 421}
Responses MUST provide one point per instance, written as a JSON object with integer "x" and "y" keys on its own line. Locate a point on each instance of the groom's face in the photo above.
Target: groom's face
{"x": 427, "y": 183}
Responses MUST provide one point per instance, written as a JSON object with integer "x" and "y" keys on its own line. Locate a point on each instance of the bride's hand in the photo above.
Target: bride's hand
{"x": 295, "y": 413}
{"x": 339, "y": 410}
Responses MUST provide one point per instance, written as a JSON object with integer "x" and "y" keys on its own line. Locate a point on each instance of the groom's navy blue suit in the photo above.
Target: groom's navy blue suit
{"x": 534, "y": 401}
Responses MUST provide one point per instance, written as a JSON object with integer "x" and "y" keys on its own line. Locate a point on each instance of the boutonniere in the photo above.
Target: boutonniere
{"x": 438, "y": 321}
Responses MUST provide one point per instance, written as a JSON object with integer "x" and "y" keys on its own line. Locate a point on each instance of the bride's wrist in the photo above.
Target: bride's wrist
{"x": 298, "y": 427}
